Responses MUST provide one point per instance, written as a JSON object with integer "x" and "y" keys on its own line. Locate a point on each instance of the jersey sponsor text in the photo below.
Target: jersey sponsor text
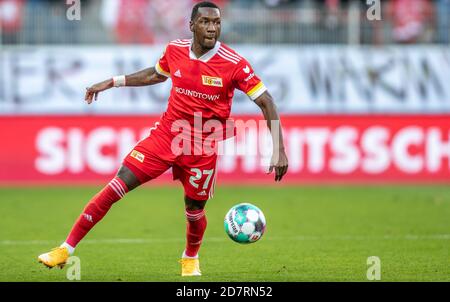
{"x": 196, "y": 94}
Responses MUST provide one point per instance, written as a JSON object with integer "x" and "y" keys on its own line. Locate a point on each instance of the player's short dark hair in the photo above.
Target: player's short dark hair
{"x": 200, "y": 5}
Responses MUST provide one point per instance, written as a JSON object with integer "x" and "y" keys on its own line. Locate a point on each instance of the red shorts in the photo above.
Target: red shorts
{"x": 153, "y": 155}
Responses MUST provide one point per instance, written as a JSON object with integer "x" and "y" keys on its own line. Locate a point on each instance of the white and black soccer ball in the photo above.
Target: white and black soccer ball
{"x": 245, "y": 223}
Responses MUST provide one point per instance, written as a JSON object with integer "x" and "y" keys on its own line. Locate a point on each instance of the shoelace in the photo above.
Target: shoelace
{"x": 188, "y": 263}
{"x": 53, "y": 250}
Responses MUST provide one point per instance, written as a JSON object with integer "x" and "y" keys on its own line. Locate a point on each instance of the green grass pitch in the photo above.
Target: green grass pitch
{"x": 314, "y": 233}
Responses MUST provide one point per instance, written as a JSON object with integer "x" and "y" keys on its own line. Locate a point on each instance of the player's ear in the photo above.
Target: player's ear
{"x": 191, "y": 25}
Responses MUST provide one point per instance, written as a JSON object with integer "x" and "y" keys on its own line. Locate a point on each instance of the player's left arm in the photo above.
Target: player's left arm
{"x": 279, "y": 161}
{"x": 247, "y": 81}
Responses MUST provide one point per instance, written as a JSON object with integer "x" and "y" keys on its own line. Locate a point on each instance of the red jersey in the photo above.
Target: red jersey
{"x": 205, "y": 85}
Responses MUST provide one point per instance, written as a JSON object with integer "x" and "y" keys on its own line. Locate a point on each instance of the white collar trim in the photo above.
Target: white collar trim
{"x": 205, "y": 57}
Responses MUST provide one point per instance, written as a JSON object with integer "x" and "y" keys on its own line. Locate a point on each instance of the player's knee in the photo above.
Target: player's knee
{"x": 193, "y": 205}
{"x": 128, "y": 177}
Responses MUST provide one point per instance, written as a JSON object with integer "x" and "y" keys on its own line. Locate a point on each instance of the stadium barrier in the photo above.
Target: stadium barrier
{"x": 350, "y": 114}
{"x": 307, "y": 79}
{"x": 321, "y": 149}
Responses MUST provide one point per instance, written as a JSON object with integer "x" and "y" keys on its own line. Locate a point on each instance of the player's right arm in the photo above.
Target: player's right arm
{"x": 150, "y": 76}
{"x": 144, "y": 77}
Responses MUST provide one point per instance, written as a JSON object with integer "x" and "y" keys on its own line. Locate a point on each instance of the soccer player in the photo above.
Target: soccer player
{"x": 204, "y": 74}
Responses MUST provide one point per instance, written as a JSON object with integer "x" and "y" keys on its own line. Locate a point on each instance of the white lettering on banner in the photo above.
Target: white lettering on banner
{"x": 296, "y": 141}
{"x": 374, "y": 146}
{"x": 404, "y": 139}
{"x": 73, "y": 150}
{"x": 51, "y": 159}
{"x": 96, "y": 159}
{"x": 317, "y": 79}
{"x": 125, "y": 142}
{"x": 437, "y": 149}
{"x": 316, "y": 139}
{"x": 344, "y": 150}
{"x": 346, "y": 157}
{"x": 347, "y": 149}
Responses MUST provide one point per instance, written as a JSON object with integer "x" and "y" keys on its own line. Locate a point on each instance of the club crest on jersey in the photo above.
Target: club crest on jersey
{"x": 212, "y": 81}
{"x": 138, "y": 155}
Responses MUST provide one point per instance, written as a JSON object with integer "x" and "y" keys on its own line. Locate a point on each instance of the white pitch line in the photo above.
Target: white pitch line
{"x": 222, "y": 239}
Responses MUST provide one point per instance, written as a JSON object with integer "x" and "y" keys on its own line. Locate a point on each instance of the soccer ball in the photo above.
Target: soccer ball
{"x": 245, "y": 223}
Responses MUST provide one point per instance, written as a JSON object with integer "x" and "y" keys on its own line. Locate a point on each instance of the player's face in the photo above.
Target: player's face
{"x": 206, "y": 27}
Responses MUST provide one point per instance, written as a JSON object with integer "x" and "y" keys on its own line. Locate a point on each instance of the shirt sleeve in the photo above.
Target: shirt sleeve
{"x": 162, "y": 65}
{"x": 247, "y": 81}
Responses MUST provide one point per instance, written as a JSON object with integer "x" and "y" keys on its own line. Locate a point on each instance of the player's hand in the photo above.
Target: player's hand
{"x": 93, "y": 91}
{"x": 279, "y": 163}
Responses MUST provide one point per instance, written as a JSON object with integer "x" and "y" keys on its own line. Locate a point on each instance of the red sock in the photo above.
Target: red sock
{"x": 96, "y": 209}
{"x": 196, "y": 226}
